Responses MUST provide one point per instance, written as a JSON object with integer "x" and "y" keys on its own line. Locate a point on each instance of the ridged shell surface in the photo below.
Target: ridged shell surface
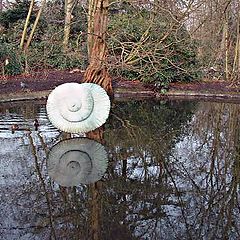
{"x": 75, "y": 161}
{"x": 78, "y": 108}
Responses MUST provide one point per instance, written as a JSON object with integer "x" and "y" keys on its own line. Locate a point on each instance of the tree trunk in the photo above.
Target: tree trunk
{"x": 238, "y": 73}
{"x": 69, "y": 5}
{"x": 91, "y": 12}
{"x": 96, "y": 210}
{"x": 35, "y": 25}
{"x": 97, "y": 47}
{"x": 96, "y": 135}
{"x": 226, "y": 47}
{"x": 238, "y": 45}
{"x": 1, "y": 5}
{"x": 236, "y": 61}
{"x": 26, "y": 24}
{"x": 96, "y": 194}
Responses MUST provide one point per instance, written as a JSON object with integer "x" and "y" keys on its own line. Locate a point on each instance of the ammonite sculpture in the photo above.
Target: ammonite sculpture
{"x": 78, "y": 108}
{"x": 77, "y": 160}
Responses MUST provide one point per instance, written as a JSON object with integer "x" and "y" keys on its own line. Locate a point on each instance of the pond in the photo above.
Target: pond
{"x": 173, "y": 172}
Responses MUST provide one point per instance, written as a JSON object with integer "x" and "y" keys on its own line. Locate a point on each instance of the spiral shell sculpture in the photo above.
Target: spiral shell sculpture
{"x": 78, "y": 160}
{"x": 78, "y": 108}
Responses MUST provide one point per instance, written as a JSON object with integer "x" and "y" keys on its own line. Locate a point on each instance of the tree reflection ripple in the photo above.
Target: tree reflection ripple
{"x": 173, "y": 173}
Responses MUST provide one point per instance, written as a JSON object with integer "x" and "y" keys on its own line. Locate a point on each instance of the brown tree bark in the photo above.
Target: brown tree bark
{"x": 97, "y": 71}
{"x": 96, "y": 210}
{"x": 96, "y": 194}
{"x": 97, "y": 135}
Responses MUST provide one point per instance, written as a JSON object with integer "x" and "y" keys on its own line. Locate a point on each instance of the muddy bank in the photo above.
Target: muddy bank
{"x": 39, "y": 84}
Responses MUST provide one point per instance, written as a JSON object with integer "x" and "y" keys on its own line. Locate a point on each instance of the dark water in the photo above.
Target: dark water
{"x": 173, "y": 173}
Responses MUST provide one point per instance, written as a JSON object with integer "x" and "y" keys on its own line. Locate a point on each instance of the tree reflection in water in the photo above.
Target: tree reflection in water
{"x": 173, "y": 174}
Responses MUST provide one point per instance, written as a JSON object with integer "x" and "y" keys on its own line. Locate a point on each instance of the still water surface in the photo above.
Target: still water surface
{"x": 173, "y": 172}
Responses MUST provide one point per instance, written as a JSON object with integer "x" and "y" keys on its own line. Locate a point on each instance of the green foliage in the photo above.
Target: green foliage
{"x": 13, "y": 35}
{"x": 10, "y": 60}
{"x": 45, "y": 51}
{"x": 163, "y": 117}
{"x": 41, "y": 55}
{"x": 151, "y": 48}
{"x": 143, "y": 45}
{"x": 17, "y": 12}
{"x": 51, "y": 56}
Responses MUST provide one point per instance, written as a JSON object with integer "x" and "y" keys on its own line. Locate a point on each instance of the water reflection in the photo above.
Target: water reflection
{"x": 77, "y": 160}
{"x": 174, "y": 173}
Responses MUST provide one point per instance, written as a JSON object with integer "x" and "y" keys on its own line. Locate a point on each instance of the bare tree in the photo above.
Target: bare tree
{"x": 69, "y": 6}
{"x": 35, "y": 25}
{"x": 215, "y": 25}
{"x": 26, "y": 24}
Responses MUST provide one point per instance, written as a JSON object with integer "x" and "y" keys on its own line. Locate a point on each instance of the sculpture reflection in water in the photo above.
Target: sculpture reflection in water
{"x": 77, "y": 161}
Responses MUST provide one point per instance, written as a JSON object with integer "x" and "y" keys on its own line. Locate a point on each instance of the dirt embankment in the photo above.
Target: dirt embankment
{"x": 40, "y": 83}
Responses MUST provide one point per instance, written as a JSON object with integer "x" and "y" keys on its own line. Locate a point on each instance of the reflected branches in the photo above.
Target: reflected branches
{"x": 174, "y": 172}
{"x": 39, "y": 173}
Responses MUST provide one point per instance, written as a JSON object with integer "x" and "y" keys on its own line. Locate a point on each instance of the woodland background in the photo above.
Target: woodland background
{"x": 154, "y": 41}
